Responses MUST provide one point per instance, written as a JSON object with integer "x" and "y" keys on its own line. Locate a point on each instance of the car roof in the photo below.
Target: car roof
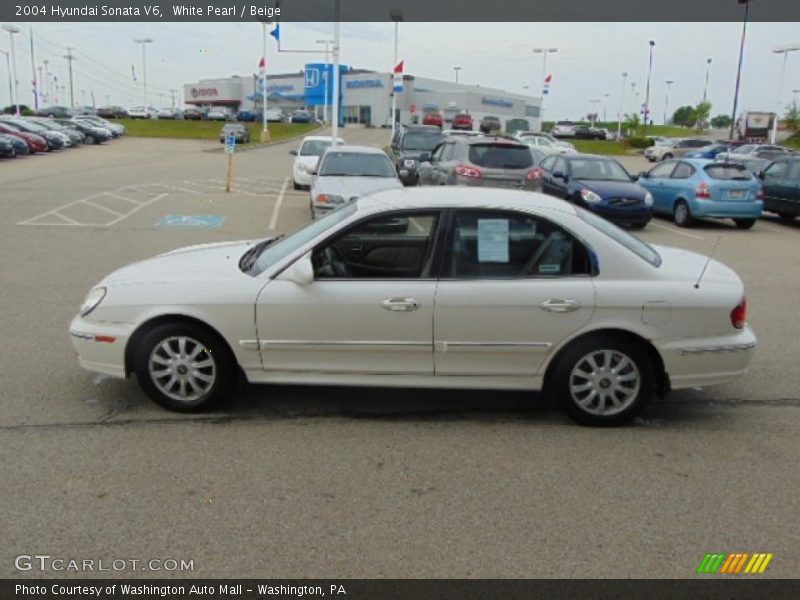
{"x": 581, "y": 156}
{"x": 318, "y": 138}
{"x": 460, "y": 197}
{"x": 353, "y": 149}
{"x": 484, "y": 139}
{"x": 698, "y": 162}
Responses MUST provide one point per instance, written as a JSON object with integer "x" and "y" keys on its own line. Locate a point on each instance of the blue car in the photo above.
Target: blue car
{"x": 599, "y": 184}
{"x": 19, "y": 145}
{"x": 709, "y": 151}
{"x": 698, "y": 188}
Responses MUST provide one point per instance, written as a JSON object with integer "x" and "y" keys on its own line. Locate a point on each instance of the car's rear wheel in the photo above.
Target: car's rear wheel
{"x": 183, "y": 367}
{"x": 744, "y": 223}
{"x": 683, "y": 214}
{"x": 603, "y": 380}
{"x": 786, "y": 216}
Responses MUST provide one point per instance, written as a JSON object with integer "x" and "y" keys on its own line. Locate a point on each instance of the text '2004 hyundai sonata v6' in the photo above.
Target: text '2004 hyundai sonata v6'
{"x": 427, "y": 287}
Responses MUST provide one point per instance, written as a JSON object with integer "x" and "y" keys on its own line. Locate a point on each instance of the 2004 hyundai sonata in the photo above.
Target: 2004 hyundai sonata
{"x": 426, "y": 287}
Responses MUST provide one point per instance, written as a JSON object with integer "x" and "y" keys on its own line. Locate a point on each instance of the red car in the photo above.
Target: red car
{"x": 463, "y": 121}
{"x": 433, "y": 119}
{"x": 36, "y": 143}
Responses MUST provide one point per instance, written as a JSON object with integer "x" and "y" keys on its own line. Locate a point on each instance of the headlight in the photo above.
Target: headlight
{"x": 304, "y": 168}
{"x": 93, "y": 298}
{"x": 409, "y": 163}
{"x": 590, "y": 197}
{"x": 648, "y": 199}
{"x": 329, "y": 199}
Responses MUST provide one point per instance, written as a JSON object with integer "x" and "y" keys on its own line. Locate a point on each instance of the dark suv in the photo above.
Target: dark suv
{"x": 482, "y": 161}
{"x": 781, "y": 185}
{"x": 490, "y": 124}
{"x": 411, "y": 145}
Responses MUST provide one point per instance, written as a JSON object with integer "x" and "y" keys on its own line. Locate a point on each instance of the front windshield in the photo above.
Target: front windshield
{"x": 421, "y": 141}
{"x": 314, "y": 147}
{"x": 353, "y": 164}
{"x": 598, "y": 170}
{"x": 746, "y": 149}
{"x": 631, "y": 242}
{"x": 282, "y": 248}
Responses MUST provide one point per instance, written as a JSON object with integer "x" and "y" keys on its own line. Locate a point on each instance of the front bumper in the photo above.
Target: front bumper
{"x": 708, "y": 361}
{"x": 301, "y": 177}
{"x": 625, "y": 216}
{"x": 101, "y": 346}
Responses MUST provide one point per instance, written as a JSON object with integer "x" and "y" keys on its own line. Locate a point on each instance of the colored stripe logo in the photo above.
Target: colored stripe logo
{"x": 734, "y": 563}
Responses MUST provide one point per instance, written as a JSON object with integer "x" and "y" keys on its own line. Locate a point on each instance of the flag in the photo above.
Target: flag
{"x": 399, "y": 67}
{"x": 133, "y": 72}
{"x": 547, "y": 81}
{"x": 276, "y": 33}
{"x": 398, "y": 78}
{"x": 262, "y": 67}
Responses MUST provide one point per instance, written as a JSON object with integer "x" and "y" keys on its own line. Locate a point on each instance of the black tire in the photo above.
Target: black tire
{"x": 297, "y": 186}
{"x": 744, "y": 223}
{"x": 211, "y": 348}
{"x": 682, "y": 214}
{"x": 667, "y": 156}
{"x": 639, "y": 226}
{"x": 786, "y": 216}
{"x": 632, "y": 394}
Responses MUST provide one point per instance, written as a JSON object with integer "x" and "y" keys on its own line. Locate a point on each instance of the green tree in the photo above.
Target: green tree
{"x": 632, "y": 122}
{"x": 683, "y": 116}
{"x": 792, "y": 118}
{"x": 721, "y": 122}
{"x": 700, "y": 115}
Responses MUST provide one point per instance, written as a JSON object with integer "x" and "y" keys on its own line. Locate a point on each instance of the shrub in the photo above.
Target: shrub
{"x": 639, "y": 142}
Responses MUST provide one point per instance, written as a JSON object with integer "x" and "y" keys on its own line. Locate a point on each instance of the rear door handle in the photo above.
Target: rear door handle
{"x": 400, "y": 304}
{"x": 560, "y": 305}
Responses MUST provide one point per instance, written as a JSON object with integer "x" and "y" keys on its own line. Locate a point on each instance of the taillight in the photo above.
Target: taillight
{"x": 466, "y": 171}
{"x": 760, "y": 193}
{"x": 534, "y": 174}
{"x": 702, "y": 191}
{"x": 739, "y": 314}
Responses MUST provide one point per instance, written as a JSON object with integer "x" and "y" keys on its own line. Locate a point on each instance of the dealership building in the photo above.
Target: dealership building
{"x": 365, "y": 96}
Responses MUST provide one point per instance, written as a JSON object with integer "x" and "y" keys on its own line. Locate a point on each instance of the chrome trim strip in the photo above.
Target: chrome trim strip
{"x": 500, "y": 344}
{"x": 249, "y": 344}
{"x": 352, "y": 343}
{"x": 82, "y": 336}
{"x": 717, "y": 349}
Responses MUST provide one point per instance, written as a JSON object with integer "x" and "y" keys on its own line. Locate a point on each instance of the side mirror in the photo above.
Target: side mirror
{"x": 643, "y": 175}
{"x": 300, "y": 272}
{"x": 293, "y": 152}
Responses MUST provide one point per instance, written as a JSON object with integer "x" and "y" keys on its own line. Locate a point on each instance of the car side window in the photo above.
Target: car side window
{"x": 437, "y": 152}
{"x": 683, "y": 171}
{"x": 504, "y": 244}
{"x": 548, "y": 163}
{"x": 777, "y": 170}
{"x": 794, "y": 172}
{"x": 447, "y": 153}
{"x": 394, "y": 246}
{"x": 560, "y": 165}
{"x": 662, "y": 171}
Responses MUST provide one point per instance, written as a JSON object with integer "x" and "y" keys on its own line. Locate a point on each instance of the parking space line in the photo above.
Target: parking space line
{"x": 105, "y": 208}
{"x": 277, "y": 208}
{"x": 137, "y": 209}
{"x": 113, "y": 195}
{"x": 60, "y": 216}
{"x": 677, "y": 231}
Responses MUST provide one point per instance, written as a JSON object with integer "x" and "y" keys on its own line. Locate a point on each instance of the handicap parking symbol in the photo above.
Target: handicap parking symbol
{"x": 192, "y": 221}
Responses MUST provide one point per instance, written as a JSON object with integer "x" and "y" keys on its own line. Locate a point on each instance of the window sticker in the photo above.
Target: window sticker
{"x": 493, "y": 240}
{"x": 550, "y": 269}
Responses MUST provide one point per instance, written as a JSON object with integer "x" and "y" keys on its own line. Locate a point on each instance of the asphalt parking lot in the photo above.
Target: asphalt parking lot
{"x": 359, "y": 482}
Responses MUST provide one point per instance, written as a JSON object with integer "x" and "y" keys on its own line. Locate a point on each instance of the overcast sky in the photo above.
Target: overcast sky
{"x": 589, "y": 64}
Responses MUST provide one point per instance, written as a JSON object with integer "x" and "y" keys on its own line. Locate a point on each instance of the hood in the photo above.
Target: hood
{"x": 309, "y": 160}
{"x": 613, "y": 189}
{"x": 214, "y": 263}
{"x": 685, "y": 265}
{"x": 350, "y": 187}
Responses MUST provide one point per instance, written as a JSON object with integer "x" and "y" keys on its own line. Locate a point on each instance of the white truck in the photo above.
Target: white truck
{"x": 754, "y": 126}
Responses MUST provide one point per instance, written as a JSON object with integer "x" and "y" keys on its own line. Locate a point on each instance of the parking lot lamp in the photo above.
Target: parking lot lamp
{"x": 785, "y": 51}
{"x": 544, "y": 52}
{"x": 11, "y": 29}
{"x": 605, "y": 101}
{"x": 335, "y": 111}
{"x": 8, "y": 70}
{"x": 327, "y": 76}
{"x": 396, "y": 16}
{"x": 621, "y": 106}
{"x": 739, "y": 68}
{"x": 144, "y": 42}
{"x": 708, "y": 73}
{"x": 669, "y": 82}
{"x": 456, "y": 69}
{"x": 647, "y": 89}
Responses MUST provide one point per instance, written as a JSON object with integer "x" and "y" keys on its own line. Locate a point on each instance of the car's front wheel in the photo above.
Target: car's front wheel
{"x": 603, "y": 380}
{"x": 183, "y": 366}
{"x": 667, "y": 156}
{"x": 683, "y": 214}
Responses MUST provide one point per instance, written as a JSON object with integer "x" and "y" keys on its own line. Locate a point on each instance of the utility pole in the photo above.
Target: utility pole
{"x": 647, "y": 92}
{"x": 33, "y": 74}
{"x": 8, "y": 71}
{"x": 70, "y": 58}
{"x": 621, "y": 106}
{"x": 11, "y": 29}
{"x": 144, "y": 42}
{"x": 739, "y": 68}
{"x": 669, "y": 82}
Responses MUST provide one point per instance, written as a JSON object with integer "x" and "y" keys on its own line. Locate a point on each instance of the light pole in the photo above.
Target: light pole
{"x": 605, "y": 102}
{"x": 785, "y": 51}
{"x": 11, "y": 29}
{"x": 396, "y": 16}
{"x": 70, "y": 58}
{"x": 327, "y": 77}
{"x": 647, "y": 91}
{"x": 621, "y": 106}
{"x": 456, "y": 69}
{"x": 708, "y": 73}
{"x": 263, "y": 67}
{"x": 144, "y": 42}
{"x": 10, "y": 79}
{"x": 794, "y": 96}
{"x": 47, "y": 80}
{"x": 544, "y": 52}
{"x": 739, "y": 67}
{"x": 669, "y": 82}
{"x": 594, "y": 104}
{"x": 335, "y": 112}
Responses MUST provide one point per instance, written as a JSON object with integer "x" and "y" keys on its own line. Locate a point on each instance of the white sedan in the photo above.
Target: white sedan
{"x": 307, "y": 156}
{"x": 426, "y": 287}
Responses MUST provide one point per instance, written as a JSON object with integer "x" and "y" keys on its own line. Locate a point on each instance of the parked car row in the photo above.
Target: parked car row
{"x": 21, "y": 136}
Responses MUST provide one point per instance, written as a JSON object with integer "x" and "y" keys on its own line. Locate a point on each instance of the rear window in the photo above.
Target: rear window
{"x": 500, "y": 156}
{"x": 727, "y": 172}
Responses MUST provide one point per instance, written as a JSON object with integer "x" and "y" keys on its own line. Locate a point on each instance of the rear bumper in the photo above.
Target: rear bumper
{"x": 721, "y": 209}
{"x": 708, "y": 361}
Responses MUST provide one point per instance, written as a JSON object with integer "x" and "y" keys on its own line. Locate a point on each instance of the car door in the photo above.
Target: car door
{"x": 777, "y": 185}
{"x": 513, "y": 287}
{"x": 369, "y": 309}
{"x": 659, "y": 184}
{"x": 555, "y": 182}
{"x": 436, "y": 168}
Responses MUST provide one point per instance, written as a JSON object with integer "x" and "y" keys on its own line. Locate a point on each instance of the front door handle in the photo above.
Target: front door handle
{"x": 560, "y": 305}
{"x": 400, "y": 304}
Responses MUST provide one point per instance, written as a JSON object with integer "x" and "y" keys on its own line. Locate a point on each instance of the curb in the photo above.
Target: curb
{"x": 259, "y": 145}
